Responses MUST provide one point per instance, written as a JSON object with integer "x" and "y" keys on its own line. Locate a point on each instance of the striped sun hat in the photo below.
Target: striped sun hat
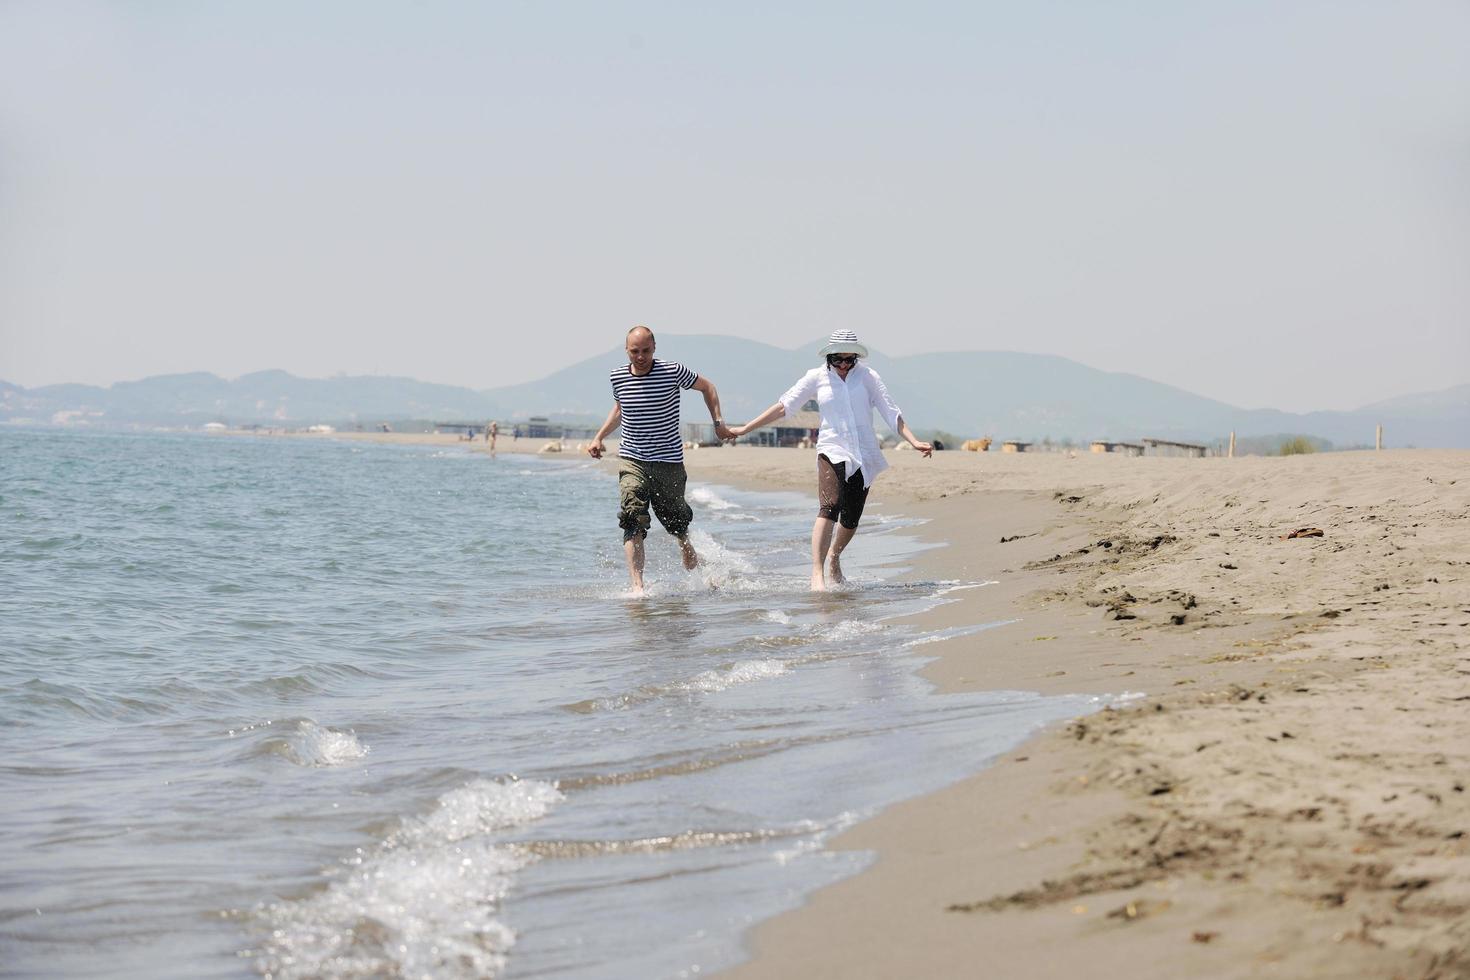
{"x": 843, "y": 342}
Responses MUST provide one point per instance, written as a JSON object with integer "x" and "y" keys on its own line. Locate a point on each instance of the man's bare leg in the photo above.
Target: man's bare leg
{"x": 633, "y": 551}
{"x": 821, "y": 541}
{"x": 691, "y": 557}
{"x": 839, "y": 542}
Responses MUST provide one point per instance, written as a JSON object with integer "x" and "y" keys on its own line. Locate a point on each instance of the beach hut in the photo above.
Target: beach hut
{"x": 1126, "y": 448}
{"x": 1167, "y": 447}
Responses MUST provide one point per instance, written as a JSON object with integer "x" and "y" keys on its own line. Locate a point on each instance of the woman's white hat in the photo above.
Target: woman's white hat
{"x": 843, "y": 342}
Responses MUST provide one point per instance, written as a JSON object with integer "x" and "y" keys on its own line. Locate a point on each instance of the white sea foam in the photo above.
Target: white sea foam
{"x": 421, "y": 904}
{"x": 480, "y": 808}
{"x": 706, "y": 497}
{"x": 954, "y": 586}
{"x": 956, "y": 631}
{"x": 719, "y": 566}
{"x": 849, "y": 629}
{"x": 314, "y": 745}
{"x": 713, "y": 681}
{"x": 776, "y": 616}
{"x": 1124, "y": 698}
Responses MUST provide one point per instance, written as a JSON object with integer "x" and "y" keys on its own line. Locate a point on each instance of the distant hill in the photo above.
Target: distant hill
{"x": 263, "y": 397}
{"x": 1002, "y": 394}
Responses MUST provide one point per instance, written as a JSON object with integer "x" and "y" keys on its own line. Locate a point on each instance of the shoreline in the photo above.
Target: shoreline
{"x": 1289, "y": 798}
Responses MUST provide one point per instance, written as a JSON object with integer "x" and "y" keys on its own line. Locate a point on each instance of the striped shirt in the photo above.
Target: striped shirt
{"x": 650, "y": 405}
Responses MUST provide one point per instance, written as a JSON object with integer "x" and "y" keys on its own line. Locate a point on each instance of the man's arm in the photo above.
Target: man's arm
{"x": 706, "y": 387}
{"x": 595, "y": 448}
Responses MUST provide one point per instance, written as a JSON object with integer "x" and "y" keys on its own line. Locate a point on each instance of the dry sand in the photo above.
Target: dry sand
{"x": 1290, "y": 798}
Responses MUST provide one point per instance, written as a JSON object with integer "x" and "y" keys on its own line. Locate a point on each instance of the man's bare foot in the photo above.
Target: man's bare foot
{"x": 834, "y": 572}
{"x": 818, "y": 585}
{"x": 691, "y": 557}
{"x": 636, "y": 592}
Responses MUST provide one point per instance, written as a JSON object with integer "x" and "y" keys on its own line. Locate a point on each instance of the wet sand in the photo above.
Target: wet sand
{"x": 1290, "y": 798}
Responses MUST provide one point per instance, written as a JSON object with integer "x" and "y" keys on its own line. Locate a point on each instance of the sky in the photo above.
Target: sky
{"x": 1266, "y": 203}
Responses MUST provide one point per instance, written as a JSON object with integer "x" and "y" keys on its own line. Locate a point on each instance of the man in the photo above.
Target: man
{"x": 651, "y": 454}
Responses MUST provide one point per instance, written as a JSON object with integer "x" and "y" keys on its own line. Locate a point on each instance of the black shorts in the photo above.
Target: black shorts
{"x": 839, "y": 497}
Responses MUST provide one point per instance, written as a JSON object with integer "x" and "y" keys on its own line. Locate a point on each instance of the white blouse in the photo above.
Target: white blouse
{"x": 847, "y": 407}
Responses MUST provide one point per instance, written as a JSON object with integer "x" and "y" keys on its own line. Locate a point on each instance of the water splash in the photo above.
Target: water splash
{"x": 316, "y": 746}
{"x": 423, "y": 903}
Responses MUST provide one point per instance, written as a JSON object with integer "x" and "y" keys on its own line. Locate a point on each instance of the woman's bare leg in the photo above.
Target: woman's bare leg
{"x": 839, "y": 542}
{"x": 821, "y": 542}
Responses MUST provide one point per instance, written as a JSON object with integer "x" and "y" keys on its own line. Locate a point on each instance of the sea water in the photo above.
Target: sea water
{"x": 304, "y": 708}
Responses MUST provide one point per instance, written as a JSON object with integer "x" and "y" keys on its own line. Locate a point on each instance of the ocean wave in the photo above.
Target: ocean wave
{"x": 480, "y": 807}
{"x": 849, "y": 629}
{"x": 38, "y": 701}
{"x": 318, "y": 747}
{"x": 707, "y": 682}
{"x": 422, "y": 904}
{"x": 685, "y": 841}
{"x": 722, "y": 679}
{"x": 954, "y": 632}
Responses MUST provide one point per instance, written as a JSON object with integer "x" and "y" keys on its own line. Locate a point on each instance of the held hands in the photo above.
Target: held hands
{"x": 724, "y": 433}
{"x": 926, "y": 448}
{"x": 595, "y": 449}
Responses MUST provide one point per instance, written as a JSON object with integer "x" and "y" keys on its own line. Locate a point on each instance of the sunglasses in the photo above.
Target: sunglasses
{"x": 848, "y": 359}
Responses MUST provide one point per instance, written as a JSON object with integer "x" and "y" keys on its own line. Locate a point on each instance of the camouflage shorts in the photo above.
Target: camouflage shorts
{"x": 642, "y": 484}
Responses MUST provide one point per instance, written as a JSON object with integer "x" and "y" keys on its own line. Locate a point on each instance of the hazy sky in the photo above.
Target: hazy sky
{"x": 1267, "y": 203}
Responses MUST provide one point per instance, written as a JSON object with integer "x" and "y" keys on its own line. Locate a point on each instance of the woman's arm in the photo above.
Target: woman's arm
{"x": 903, "y": 429}
{"x": 883, "y": 402}
{"x": 798, "y": 395}
{"x": 879, "y": 398}
{"x": 776, "y": 411}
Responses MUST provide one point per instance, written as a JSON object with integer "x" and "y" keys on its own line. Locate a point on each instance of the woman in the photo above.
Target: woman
{"x": 848, "y": 457}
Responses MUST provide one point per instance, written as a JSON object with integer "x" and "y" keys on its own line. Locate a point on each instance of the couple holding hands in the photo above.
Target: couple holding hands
{"x": 651, "y": 453}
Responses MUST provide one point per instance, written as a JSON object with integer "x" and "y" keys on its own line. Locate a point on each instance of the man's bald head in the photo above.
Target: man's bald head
{"x": 640, "y": 347}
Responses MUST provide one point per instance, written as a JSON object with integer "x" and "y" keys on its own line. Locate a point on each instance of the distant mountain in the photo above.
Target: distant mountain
{"x": 263, "y": 397}
{"x": 1002, "y": 394}
{"x": 1450, "y": 403}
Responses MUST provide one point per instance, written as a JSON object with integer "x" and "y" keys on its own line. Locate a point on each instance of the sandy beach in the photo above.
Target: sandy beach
{"x": 1287, "y": 801}
{"x": 1288, "y": 797}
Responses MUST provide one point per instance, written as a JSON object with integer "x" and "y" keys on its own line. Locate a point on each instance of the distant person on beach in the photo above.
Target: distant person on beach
{"x": 848, "y": 457}
{"x": 492, "y": 432}
{"x": 651, "y": 454}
